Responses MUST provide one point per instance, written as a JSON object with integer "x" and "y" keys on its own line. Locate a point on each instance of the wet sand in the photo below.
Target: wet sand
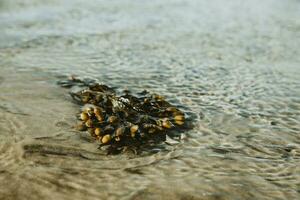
{"x": 233, "y": 66}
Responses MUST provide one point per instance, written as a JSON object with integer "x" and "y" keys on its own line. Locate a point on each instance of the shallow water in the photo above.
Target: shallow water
{"x": 233, "y": 66}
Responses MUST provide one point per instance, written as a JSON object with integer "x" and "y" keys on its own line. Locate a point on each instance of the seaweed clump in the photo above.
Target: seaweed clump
{"x": 123, "y": 121}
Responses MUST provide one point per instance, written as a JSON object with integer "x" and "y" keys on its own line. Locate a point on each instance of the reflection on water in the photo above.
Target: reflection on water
{"x": 234, "y": 66}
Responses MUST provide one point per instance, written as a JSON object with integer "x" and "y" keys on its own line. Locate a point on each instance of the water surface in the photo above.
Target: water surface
{"x": 232, "y": 65}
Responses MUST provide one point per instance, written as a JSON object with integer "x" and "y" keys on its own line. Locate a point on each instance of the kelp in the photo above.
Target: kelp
{"x": 124, "y": 121}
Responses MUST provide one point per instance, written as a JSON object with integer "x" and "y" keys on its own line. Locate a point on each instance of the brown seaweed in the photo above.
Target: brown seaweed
{"x": 123, "y": 121}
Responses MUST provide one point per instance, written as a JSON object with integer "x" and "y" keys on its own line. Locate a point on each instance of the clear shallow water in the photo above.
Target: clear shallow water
{"x": 234, "y": 66}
